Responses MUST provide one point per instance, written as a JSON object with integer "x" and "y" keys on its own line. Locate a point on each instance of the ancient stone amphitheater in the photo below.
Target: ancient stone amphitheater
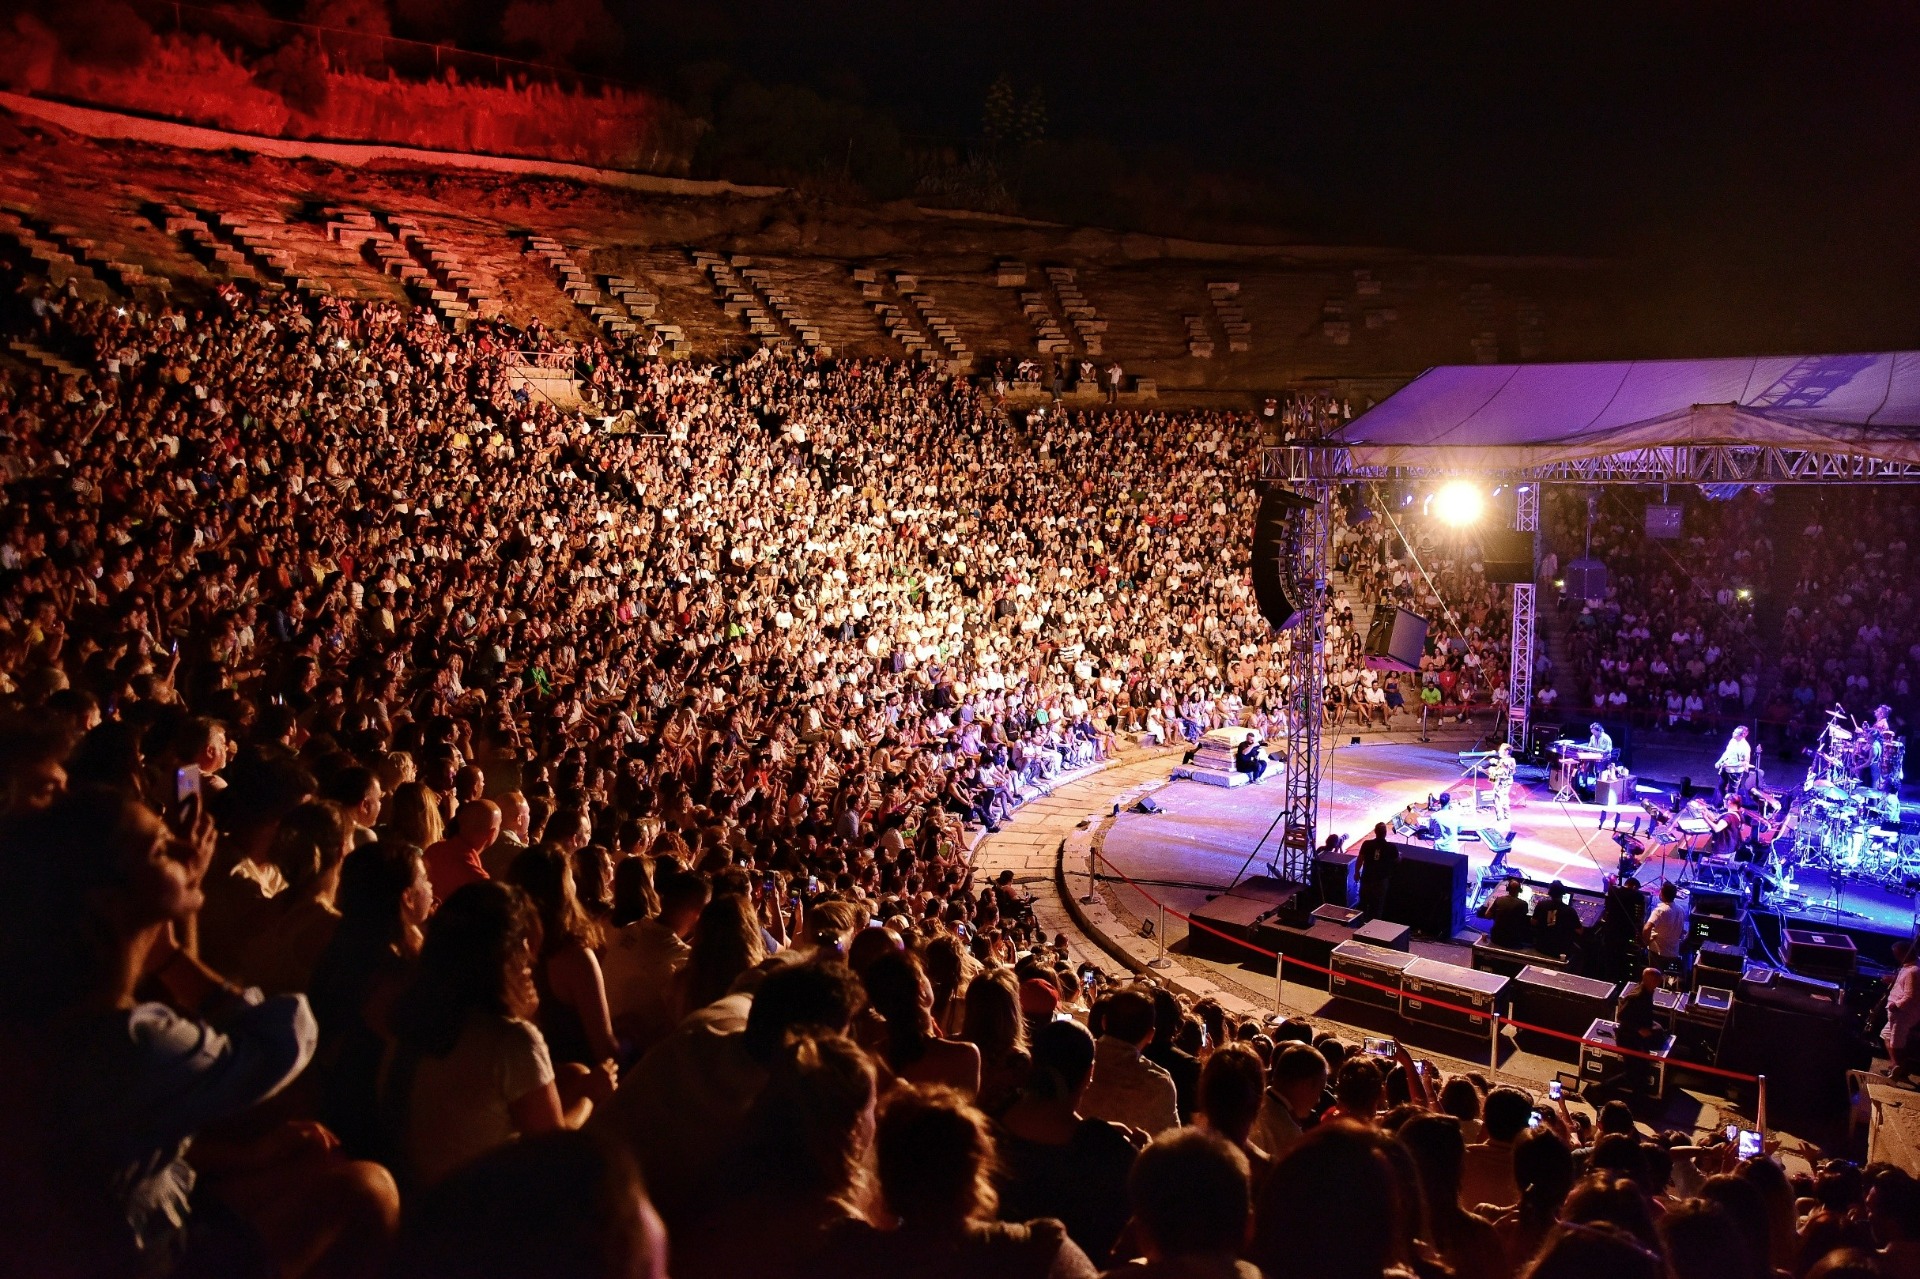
{"x": 136, "y": 209}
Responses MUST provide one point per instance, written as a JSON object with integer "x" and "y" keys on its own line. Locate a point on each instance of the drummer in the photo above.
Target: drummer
{"x": 1881, "y": 738}
{"x": 1734, "y": 762}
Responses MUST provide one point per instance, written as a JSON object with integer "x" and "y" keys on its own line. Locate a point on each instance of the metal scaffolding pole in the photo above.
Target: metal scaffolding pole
{"x": 1526, "y": 518}
{"x": 1306, "y": 690}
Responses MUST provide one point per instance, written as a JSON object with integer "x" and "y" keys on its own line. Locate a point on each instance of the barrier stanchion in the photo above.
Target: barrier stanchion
{"x": 1493, "y": 1042}
{"x": 1280, "y": 985}
{"x": 1160, "y": 931}
{"x": 1760, "y": 1112}
{"x": 1093, "y": 859}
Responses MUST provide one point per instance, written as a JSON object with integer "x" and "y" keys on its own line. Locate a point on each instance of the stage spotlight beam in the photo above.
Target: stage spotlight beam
{"x": 1459, "y": 503}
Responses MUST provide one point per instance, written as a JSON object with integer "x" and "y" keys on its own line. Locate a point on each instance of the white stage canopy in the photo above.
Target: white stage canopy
{"x": 1523, "y": 417}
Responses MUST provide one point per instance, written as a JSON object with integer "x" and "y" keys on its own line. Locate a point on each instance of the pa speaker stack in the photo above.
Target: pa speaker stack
{"x": 1281, "y": 599}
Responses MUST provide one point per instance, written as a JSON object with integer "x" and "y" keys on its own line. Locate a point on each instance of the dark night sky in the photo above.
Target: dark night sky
{"x": 1546, "y": 125}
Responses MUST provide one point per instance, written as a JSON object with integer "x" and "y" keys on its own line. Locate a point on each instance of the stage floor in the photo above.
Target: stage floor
{"x": 1201, "y": 840}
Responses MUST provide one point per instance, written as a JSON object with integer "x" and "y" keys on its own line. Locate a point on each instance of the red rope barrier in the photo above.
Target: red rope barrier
{"x": 1497, "y": 1018}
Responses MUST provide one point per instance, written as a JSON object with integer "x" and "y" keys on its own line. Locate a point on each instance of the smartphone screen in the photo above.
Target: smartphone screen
{"x": 1733, "y": 1132}
{"x": 1533, "y": 1120}
{"x": 1750, "y": 1144}
{"x": 1553, "y": 1091}
{"x": 1380, "y": 1047}
{"x": 186, "y": 782}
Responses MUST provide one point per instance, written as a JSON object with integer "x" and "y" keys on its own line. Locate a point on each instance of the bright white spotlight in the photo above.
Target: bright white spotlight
{"x": 1458, "y": 503}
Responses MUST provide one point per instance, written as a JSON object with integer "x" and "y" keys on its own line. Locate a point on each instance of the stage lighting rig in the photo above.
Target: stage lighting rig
{"x": 1458, "y": 503}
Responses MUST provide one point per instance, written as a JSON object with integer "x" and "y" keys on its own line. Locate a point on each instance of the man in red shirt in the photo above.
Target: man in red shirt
{"x": 454, "y": 862}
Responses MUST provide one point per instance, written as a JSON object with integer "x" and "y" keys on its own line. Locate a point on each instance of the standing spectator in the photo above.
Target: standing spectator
{"x": 1903, "y": 1011}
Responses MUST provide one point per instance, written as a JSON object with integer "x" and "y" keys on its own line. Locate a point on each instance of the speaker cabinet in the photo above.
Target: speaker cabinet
{"x": 1336, "y": 879}
{"x": 1395, "y": 639}
{"x": 1272, "y": 539}
{"x": 1507, "y": 555}
{"x": 1428, "y": 891}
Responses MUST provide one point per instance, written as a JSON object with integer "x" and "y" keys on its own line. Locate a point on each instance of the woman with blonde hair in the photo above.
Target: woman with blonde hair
{"x": 992, "y": 1023}
{"x": 413, "y": 815}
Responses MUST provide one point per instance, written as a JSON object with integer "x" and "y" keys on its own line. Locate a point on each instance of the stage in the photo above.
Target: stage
{"x": 1201, "y": 840}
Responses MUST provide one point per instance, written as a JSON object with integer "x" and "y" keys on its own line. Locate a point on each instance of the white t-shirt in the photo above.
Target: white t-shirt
{"x": 459, "y": 1108}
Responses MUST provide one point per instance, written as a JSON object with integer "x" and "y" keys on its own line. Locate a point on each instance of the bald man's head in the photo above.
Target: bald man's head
{"x": 515, "y": 815}
{"x": 477, "y": 824}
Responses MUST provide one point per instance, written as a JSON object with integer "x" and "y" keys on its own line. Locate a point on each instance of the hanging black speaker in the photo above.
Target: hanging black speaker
{"x": 1507, "y": 555}
{"x": 1275, "y": 535}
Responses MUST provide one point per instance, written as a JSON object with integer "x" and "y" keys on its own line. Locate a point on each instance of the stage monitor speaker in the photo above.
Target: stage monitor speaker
{"x": 1506, "y": 555}
{"x": 1234, "y": 916}
{"x": 1336, "y": 878}
{"x": 1428, "y": 891}
{"x": 1396, "y": 639}
{"x": 1279, "y": 604}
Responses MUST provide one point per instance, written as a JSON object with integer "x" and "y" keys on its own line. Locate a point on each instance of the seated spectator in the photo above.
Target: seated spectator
{"x": 1332, "y": 1209}
{"x": 1590, "y": 1251}
{"x": 469, "y": 1069}
{"x": 642, "y": 960}
{"x": 1701, "y": 1241}
{"x": 1466, "y": 1242}
{"x": 573, "y": 998}
{"x": 1056, "y": 1162}
{"x": 1232, "y": 1084}
{"x": 683, "y": 1108}
{"x": 1359, "y": 1091}
{"x": 992, "y": 1023}
{"x": 934, "y": 1156}
{"x": 914, "y": 1051}
{"x": 1543, "y": 1171}
{"x": 1295, "y": 1083}
{"x": 1461, "y": 1099}
{"x": 454, "y": 862}
{"x": 727, "y": 943}
{"x": 1127, "y": 1088}
{"x": 385, "y": 900}
{"x": 108, "y": 1092}
{"x": 1487, "y": 1174}
{"x": 559, "y": 1206}
{"x": 308, "y": 850}
{"x": 1191, "y": 1199}
{"x": 800, "y": 1171}
{"x": 1893, "y": 1213}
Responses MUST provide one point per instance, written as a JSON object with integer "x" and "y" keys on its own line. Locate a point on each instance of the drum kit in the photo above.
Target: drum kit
{"x": 1847, "y": 826}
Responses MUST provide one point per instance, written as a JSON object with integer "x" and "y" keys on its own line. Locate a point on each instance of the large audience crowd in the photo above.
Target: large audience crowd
{"x": 1851, "y": 634}
{"x": 1673, "y": 642}
{"x": 442, "y": 837}
{"x": 1759, "y": 610}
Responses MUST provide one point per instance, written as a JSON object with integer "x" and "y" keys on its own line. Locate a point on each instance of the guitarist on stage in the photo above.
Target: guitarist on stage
{"x": 1500, "y": 772}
